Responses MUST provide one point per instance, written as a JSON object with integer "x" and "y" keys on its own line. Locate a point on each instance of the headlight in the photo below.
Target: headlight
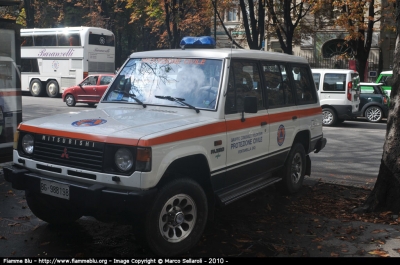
{"x": 123, "y": 159}
{"x": 27, "y": 144}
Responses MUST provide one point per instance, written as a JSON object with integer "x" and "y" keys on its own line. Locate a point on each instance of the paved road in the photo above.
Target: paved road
{"x": 352, "y": 155}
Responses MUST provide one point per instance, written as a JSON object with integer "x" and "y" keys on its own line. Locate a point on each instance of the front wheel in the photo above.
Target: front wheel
{"x": 52, "y": 210}
{"x": 329, "y": 117}
{"x": 373, "y": 114}
{"x": 294, "y": 170}
{"x": 52, "y": 89}
{"x": 70, "y": 100}
{"x": 176, "y": 220}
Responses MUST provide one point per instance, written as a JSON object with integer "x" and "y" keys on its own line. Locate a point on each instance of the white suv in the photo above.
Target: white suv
{"x": 338, "y": 93}
{"x": 177, "y": 134}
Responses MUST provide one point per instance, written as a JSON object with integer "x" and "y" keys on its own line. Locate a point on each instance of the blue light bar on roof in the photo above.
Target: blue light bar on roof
{"x": 197, "y": 42}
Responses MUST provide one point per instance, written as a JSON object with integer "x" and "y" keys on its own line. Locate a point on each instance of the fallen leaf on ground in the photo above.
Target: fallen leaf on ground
{"x": 379, "y": 252}
{"x": 45, "y": 243}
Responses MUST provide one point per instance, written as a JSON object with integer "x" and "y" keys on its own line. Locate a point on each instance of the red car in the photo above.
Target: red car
{"x": 89, "y": 91}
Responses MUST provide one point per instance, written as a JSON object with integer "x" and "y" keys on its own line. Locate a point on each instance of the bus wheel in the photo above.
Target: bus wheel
{"x": 52, "y": 89}
{"x": 36, "y": 88}
{"x": 70, "y": 100}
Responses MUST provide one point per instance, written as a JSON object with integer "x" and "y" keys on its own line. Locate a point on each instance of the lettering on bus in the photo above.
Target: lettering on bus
{"x": 44, "y": 53}
{"x": 102, "y": 50}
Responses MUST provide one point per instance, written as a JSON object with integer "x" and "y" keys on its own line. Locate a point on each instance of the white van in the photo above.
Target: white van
{"x": 338, "y": 93}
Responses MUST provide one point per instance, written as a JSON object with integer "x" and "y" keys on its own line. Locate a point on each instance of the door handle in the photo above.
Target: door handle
{"x": 263, "y": 123}
{"x": 294, "y": 118}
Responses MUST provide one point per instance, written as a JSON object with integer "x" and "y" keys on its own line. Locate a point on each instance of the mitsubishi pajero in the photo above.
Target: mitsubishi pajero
{"x": 177, "y": 134}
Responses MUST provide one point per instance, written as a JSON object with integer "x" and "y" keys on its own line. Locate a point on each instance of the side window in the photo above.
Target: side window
{"x": 305, "y": 88}
{"x": 334, "y": 82}
{"x": 317, "y": 78}
{"x": 277, "y": 87}
{"x": 29, "y": 65}
{"x": 90, "y": 81}
{"x": 244, "y": 81}
{"x": 389, "y": 80}
{"x": 105, "y": 80}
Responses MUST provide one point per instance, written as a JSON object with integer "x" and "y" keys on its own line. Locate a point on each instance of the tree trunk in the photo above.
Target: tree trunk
{"x": 385, "y": 195}
{"x": 30, "y": 13}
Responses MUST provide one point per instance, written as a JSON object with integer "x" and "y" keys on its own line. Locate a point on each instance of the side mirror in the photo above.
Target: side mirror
{"x": 250, "y": 106}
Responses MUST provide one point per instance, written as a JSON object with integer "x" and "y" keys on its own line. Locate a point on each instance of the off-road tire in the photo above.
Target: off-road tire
{"x": 184, "y": 201}
{"x": 294, "y": 170}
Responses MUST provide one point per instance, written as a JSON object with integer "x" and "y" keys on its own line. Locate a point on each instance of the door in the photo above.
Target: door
{"x": 104, "y": 81}
{"x": 247, "y": 138}
{"x": 282, "y": 111}
{"x": 88, "y": 90}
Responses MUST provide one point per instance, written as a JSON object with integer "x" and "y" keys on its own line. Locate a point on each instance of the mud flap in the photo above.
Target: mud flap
{"x": 308, "y": 166}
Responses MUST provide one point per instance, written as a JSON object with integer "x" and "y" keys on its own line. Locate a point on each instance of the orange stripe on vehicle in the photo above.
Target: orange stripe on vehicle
{"x": 202, "y": 131}
{"x": 81, "y": 136}
{"x": 10, "y": 93}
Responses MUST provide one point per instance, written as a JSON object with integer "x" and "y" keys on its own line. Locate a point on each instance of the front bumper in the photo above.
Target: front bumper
{"x": 94, "y": 200}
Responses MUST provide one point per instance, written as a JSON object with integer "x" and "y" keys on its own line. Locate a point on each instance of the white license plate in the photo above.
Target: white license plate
{"x": 54, "y": 189}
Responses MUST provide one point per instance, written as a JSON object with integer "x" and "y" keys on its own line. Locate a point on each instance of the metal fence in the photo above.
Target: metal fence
{"x": 318, "y": 61}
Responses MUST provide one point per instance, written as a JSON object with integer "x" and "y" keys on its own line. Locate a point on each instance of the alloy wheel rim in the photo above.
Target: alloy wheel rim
{"x": 374, "y": 114}
{"x": 177, "y": 218}
{"x": 69, "y": 100}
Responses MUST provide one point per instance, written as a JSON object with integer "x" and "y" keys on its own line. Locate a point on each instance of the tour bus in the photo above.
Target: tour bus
{"x": 53, "y": 59}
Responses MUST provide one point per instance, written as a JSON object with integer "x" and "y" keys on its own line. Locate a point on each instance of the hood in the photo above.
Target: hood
{"x": 132, "y": 123}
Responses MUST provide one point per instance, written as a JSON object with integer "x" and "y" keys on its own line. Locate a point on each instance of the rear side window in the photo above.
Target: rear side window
{"x": 367, "y": 90}
{"x": 334, "y": 83}
{"x": 387, "y": 80}
{"x": 317, "y": 78}
{"x": 277, "y": 86}
{"x": 304, "y": 85}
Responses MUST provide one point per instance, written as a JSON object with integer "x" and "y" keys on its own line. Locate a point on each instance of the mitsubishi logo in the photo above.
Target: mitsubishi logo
{"x": 65, "y": 153}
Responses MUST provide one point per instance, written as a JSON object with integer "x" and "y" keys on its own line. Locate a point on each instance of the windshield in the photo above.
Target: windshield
{"x": 168, "y": 81}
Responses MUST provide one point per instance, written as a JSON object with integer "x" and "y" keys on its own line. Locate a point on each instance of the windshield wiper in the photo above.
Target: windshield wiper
{"x": 132, "y": 96}
{"x": 179, "y": 100}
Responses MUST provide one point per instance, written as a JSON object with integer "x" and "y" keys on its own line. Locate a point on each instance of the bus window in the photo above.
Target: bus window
{"x": 29, "y": 65}
{"x": 45, "y": 40}
{"x": 99, "y": 39}
{"x": 74, "y": 40}
{"x": 26, "y": 41}
{"x": 62, "y": 40}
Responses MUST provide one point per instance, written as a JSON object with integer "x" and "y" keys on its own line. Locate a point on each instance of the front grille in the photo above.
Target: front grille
{"x": 69, "y": 152}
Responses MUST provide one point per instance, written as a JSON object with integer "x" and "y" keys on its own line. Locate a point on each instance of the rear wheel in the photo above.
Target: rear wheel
{"x": 373, "y": 114}
{"x": 176, "y": 220}
{"x": 294, "y": 170}
{"x": 52, "y": 210}
{"x": 36, "y": 88}
{"x": 329, "y": 117}
{"x": 70, "y": 100}
{"x": 52, "y": 89}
